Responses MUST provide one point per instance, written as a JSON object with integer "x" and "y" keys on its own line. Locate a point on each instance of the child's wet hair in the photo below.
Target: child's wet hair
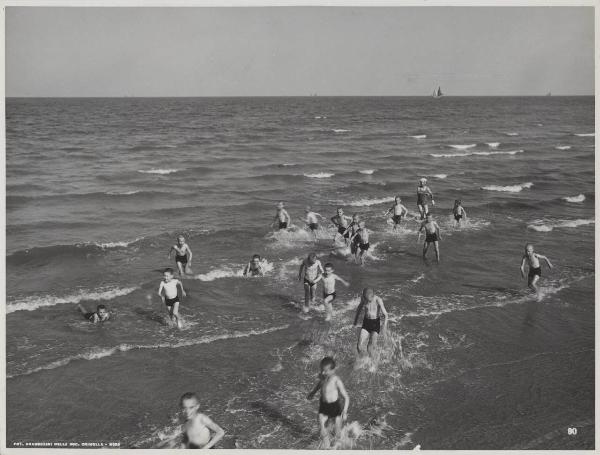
{"x": 256, "y": 256}
{"x": 169, "y": 270}
{"x": 328, "y": 361}
{"x": 329, "y": 265}
{"x": 188, "y": 396}
{"x": 101, "y": 307}
{"x": 312, "y": 256}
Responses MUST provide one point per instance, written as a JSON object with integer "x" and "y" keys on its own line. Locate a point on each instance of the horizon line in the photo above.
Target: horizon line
{"x": 299, "y": 96}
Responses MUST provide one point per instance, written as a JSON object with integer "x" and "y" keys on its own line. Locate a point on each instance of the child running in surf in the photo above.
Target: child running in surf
{"x": 459, "y": 212}
{"x": 254, "y": 267}
{"x": 330, "y": 408}
{"x": 432, "y": 235}
{"x": 535, "y": 267}
{"x": 171, "y": 297}
{"x": 399, "y": 211}
{"x": 362, "y": 236}
{"x": 197, "y": 426}
{"x": 282, "y": 217}
{"x": 312, "y": 221}
{"x": 423, "y": 194}
{"x": 329, "y": 278}
{"x": 371, "y": 326}
{"x": 341, "y": 222}
{"x": 310, "y": 272}
{"x": 351, "y": 232}
{"x": 183, "y": 256}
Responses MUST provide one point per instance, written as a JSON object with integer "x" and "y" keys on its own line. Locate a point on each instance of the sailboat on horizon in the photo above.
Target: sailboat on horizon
{"x": 438, "y": 93}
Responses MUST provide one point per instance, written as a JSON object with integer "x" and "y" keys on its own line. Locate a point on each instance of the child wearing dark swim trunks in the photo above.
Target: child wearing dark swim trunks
{"x": 424, "y": 194}
{"x": 312, "y": 221}
{"x": 100, "y": 315}
{"x": 329, "y": 278}
{"x": 341, "y": 222}
{"x": 459, "y": 212}
{"x": 254, "y": 267}
{"x": 330, "y": 408}
{"x": 432, "y": 235}
{"x": 171, "y": 297}
{"x": 371, "y": 326}
{"x": 183, "y": 256}
{"x": 535, "y": 267}
{"x": 309, "y": 273}
{"x": 282, "y": 218}
{"x": 351, "y": 231}
{"x": 362, "y": 236}
{"x": 197, "y": 427}
{"x": 399, "y": 211}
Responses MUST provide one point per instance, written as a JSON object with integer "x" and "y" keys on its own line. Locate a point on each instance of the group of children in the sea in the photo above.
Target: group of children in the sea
{"x": 353, "y": 232}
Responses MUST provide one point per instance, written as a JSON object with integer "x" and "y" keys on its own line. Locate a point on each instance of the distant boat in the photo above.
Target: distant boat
{"x": 438, "y": 93}
{"x": 549, "y": 94}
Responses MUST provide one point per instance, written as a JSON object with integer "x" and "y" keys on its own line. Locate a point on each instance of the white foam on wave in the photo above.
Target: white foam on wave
{"x": 454, "y": 155}
{"x": 578, "y": 198}
{"x": 34, "y": 302}
{"x": 550, "y": 225}
{"x": 509, "y": 188}
{"x": 440, "y": 176}
{"x": 232, "y": 272}
{"x": 319, "y": 175}
{"x": 98, "y": 353}
{"x": 122, "y": 244}
{"x": 367, "y": 171}
{"x": 369, "y": 202}
{"x": 493, "y": 145}
{"x": 562, "y": 147}
{"x": 289, "y": 164}
{"x": 123, "y": 193}
{"x": 340, "y": 130}
{"x": 419, "y": 136}
{"x": 159, "y": 171}
{"x": 463, "y": 147}
{"x": 512, "y": 134}
{"x": 585, "y": 134}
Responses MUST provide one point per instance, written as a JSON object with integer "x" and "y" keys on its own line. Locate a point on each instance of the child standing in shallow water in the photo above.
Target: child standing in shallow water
{"x": 535, "y": 267}
{"x": 371, "y": 326}
{"x": 197, "y": 426}
{"x": 362, "y": 242}
{"x": 459, "y": 212}
{"x": 399, "y": 211}
{"x": 329, "y": 278}
{"x": 432, "y": 235}
{"x": 310, "y": 272}
{"x": 183, "y": 256}
{"x": 331, "y": 387}
{"x": 170, "y": 297}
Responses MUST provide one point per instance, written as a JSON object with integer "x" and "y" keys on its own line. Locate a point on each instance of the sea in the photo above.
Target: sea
{"x": 97, "y": 191}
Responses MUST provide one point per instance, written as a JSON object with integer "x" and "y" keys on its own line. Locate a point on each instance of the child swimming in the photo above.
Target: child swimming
{"x": 329, "y": 278}
{"x": 254, "y": 267}
{"x": 398, "y": 211}
{"x": 535, "y": 267}
{"x": 282, "y": 217}
{"x": 309, "y": 273}
{"x": 362, "y": 240}
{"x": 371, "y": 326}
{"x": 330, "y": 408}
{"x": 432, "y": 235}
{"x": 183, "y": 256}
{"x": 197, "y": 427}
{"x": 100, "y": 315}
{"x": 459, "y": 212}
{"x": 170, "y": 297}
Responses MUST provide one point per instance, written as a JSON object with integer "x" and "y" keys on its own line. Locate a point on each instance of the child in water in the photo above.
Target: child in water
{"x": 329, "y": 278}
{"x": 399, "y": 211}
{"x": 432, "y": 235}
{"x": 312, "y": 221}
{"x": 170, "y": 297}
{"x": 282, "y": 217}
{"x": 254, "y": 267}
{"x": 310, "y": 272}
{"x": 351, "y": 232}
{"x": 535, "y": 267}
{"x": 459, "y": 212}
{"x": 362, "y": 240}
{"x": 183, "y": 256}
{"x": 423, "y": 194}
{"x": 331, "y": 387}
{"x": 197, "y": 426}
{"x": 341, "y": 222}
{"x": 373, "y": 306}
{"x": 100, "y": 315}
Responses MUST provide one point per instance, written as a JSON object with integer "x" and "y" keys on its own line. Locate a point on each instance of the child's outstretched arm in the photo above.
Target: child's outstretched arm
{"x": 383, "y": 311}
{"x": 246, "y": 269}
{"x": 81, "y": 309}
{"x": 216, "y": 429}
{"x": 343, "y": 393}
{"x": 439, "y": 231}
{"x": 359, "y": 310}
{"x": 190, "y": 255}
{"x": 160, "y": 288}
{"x": 464, "y": 213}
{"x": 182, "y": 290}
{"x": 523, "y": 266}
{"x": 170, "y": 251}
{"x": 547, "y": 260}
{"x": 389, "y": 211}
{"x": 287, "y": 217}
{"x": 339, "y": 278}
{"x": 315, "y": 389}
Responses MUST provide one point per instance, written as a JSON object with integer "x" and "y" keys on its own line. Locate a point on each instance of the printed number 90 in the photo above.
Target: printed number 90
{"x": 572, "y": 431}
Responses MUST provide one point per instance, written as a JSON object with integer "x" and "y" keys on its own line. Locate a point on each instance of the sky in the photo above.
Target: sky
{"x": 298, "y": 51}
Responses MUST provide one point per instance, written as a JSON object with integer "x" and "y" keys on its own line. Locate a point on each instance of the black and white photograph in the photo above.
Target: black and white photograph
{"x": 309, "y": 227}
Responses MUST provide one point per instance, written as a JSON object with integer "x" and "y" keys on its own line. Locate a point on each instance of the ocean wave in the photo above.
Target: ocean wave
{"x": 578, "y": 198}
{"x": 159, "y": 171}
{"x": 463, "y": 147}
{"x": 440, "y": 176}
{"x": 550, "y": 225}
{"x": 367, "y": 171}
{"x": 509, "y": 188}
{"x": 512, "y": 134}
{"x": 493, "y": 145}
{"x": 319, "y": 175}
{"x": 368, "y": 202}
{"x": 232, "y": 272}
{"x": 340, "y": 130}
{"x": 585, "y": 134}
{"x": 453, "y": 155}
{"x": 98, "y": 353}
{"x": 123, "y": 193}
{"x": 288, "y": 164}
{"x": 320, "y": 116}
{"x": 562, "y": 147}
{"x": 34, "y": 302}
{"x": 419, "y": 136}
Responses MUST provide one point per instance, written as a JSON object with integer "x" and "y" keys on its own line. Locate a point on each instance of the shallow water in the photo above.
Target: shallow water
{"x": 98, "y": 189}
